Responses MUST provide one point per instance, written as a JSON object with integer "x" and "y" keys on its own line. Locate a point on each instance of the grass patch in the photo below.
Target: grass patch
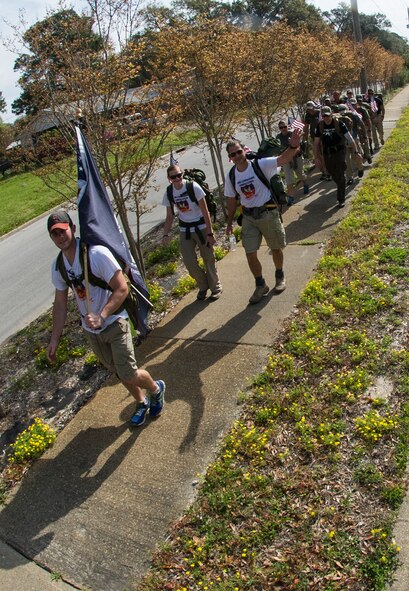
{"x": 304, "y": 491}
{"x": 25, "y": 196}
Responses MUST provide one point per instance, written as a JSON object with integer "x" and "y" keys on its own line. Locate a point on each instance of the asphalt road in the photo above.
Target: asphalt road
{"x": 26, "y": 254}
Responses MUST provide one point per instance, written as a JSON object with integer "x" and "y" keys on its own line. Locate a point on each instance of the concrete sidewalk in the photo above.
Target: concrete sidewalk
{"x": 96, "y": 504}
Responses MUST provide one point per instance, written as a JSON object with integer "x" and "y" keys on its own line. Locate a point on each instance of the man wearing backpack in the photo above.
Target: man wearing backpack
{"x": 332, "y": 135}
{"x": 261, "y": 217}
{"x": 195, "y": 230}
{"x": 103, "y": 318}
{"x": 293, "y": 170}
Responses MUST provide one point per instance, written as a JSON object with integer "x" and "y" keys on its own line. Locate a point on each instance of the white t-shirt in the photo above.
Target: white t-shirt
{"x": 252, "y": 192}
{"x": 187, "y": 210}
{"x": 103, "y": 265}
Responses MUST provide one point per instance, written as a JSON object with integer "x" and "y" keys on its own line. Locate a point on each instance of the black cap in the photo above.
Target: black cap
{"x": 59, "y": 219}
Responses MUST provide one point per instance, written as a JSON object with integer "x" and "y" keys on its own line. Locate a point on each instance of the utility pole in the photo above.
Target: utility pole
{"x": 356, "y": 25}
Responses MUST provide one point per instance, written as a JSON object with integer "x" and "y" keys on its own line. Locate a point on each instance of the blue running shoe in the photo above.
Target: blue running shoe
{"x": 141, "y": 411}
{"x": 158, "y": 400}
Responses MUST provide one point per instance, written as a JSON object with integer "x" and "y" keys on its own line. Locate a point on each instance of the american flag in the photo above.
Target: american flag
{"x": 374, "y": 106}
{"x": 294, "y": 123}
{"x": 98, "y": 224}
{"x": 351, "y": 107}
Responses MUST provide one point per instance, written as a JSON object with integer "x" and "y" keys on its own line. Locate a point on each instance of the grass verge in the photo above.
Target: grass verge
{"x": 25, "y": 196}
{"x": 304, "y": 491}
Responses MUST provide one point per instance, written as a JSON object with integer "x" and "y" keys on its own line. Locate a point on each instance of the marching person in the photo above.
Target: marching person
{"x": 104, "y": 320}
{"x": 293, "y": 170}
{"x": 261, "y": 218}
{"x": 378, "y": 114}
{"x": 195, "y": 230}
{"x": 331, "y": 136}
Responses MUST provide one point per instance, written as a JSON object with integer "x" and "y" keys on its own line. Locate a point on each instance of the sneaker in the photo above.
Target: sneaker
{"x": 259, "y": 292}
{"x": 341, "y": 204}
{"x": 369, "y": 160}
{"x": 158, "y": 400}
{"x": 290, "y": 201}
{"x": 280, "y": 284}
{"x": 216, "y": 293}
{"x": 306, "y": 189}
{"x": 139, "y": 417}
{"x": 350, "y": 181}
{"x": 360, "y": 173}
{"x": 328, "y": 177}
{"x": 323, "y": 177}
{"x": 201, "y": 295}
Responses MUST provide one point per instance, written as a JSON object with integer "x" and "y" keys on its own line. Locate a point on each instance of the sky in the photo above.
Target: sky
{"x": 395, "y": 10}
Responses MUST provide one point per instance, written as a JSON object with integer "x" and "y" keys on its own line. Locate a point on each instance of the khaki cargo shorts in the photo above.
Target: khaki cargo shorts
{"x": 268, "y": 226}
{"x": 114, "y": 348}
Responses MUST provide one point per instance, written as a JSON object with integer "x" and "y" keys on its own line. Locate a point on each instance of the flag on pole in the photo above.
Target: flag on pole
{"x": 98, "y": 224}
{"x": 374, "y": 106}
{"x": 173, "y": 160}
{"x": 294, "y": 123}
{"x": 351, "y": 107}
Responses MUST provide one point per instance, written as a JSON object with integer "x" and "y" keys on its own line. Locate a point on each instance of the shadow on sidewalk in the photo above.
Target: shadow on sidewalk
{"x": 58, "y": 485}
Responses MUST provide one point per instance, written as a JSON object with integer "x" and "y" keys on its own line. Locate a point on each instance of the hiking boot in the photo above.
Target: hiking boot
{"x": 306, "y": 189}
{"x": 280, "y": 284}
{"x": 201, "y": 295}
{"x": 360, "y": 173}
{"x": 259, "y": 292}
{"x": 139, "y": 417}
{"x": 158, "y": 400}
{"x": 216, "y": 293}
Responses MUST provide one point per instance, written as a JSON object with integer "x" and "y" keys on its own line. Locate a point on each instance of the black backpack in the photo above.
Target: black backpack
{"x": 199, "y": 177}
{"x": 131, "y": 303}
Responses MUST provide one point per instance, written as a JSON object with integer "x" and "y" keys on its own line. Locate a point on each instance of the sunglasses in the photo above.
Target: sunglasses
{"x": 233, "y": 154}
{"x": 173, "y": 177}
{"x": 283, "y": 127}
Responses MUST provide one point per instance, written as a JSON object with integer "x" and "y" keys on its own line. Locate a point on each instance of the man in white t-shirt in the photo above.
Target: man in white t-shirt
{"x": 195, "y": 230}
{"x": 103, "y": 317}
{"x": 261, "y": 217}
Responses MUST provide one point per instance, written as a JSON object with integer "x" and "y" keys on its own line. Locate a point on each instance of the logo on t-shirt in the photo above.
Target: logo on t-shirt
{"x": 248, "y": 190}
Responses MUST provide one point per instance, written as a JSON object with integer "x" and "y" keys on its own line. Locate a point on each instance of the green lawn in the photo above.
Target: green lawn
{"x": 25, "y": 196}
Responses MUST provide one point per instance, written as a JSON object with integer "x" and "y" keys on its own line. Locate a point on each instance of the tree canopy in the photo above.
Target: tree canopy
{"x": 48, "y": 43}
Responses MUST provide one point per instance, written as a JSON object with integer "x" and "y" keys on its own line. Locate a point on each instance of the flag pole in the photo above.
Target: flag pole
{"x": 86, "y": 276}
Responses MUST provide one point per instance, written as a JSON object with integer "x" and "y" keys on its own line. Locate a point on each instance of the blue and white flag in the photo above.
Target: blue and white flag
{"x": 98, "y": 224}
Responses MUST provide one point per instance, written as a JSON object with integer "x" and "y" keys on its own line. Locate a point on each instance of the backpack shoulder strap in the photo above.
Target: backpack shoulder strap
{"x": 191, "y": 191}
{"x": 338, "y": 127}
{"x": 260, "y": 174}
{"x": 93, "y": 279}
{"x": 232, "y": 177}
{"x": 169, "y": 195}
{"x": 59, "y": 266}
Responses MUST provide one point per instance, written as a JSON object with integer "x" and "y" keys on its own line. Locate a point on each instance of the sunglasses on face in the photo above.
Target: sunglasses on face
{"x": 283, "y": 127}
{"x": 233, "y": 154}
{"x": 173, "y": 177}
